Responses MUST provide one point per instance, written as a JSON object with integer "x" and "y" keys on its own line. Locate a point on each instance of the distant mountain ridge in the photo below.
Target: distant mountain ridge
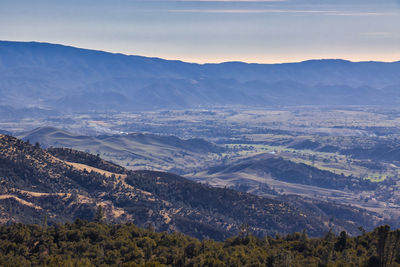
{"x": 67, "y": 78}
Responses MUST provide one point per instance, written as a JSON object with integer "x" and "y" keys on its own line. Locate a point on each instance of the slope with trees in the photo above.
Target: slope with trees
{"x": 84, "y": 243}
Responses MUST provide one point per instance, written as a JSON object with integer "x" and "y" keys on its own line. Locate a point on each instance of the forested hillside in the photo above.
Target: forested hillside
{"x": 63, "y": 184}
{"x": 85, "y": 243}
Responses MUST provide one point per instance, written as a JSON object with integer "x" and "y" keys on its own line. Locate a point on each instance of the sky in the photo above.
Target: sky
{"x": 205, "y": 31}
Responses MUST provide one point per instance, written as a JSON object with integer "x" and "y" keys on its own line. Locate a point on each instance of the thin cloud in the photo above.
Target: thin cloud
{"x": 377, "y": 34}
{"x": 282, "y": 11}
{"x": 360, "y": 14}
{"x": 244, "y": 11}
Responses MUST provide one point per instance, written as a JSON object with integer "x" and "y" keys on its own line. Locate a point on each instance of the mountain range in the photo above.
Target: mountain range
{"x": 59, "y": 78}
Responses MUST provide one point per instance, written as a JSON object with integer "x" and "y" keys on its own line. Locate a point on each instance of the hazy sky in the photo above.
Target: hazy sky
{"x": 213, "y": 31}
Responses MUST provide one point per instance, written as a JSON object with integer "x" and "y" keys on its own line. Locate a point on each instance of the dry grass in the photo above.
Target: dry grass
{"x": 21, "y": 201}
{"x": 88, "y": 168}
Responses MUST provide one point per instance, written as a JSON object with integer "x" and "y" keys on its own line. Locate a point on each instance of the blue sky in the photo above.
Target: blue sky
{"x": 213, "y": 31}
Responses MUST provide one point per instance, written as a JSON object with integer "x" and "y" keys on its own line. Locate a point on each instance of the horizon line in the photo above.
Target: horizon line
{"x": 203, "y": 63}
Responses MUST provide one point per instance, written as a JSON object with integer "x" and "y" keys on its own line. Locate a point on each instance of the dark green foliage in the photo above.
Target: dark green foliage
{"x": 84, "y": 243}
{"x": 99, "y": 215}
{"x": 341, "y": 244}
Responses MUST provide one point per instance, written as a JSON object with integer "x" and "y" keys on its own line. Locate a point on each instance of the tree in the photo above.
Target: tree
{"x": 44, "y": 222}
{"x": 383, "y": 233}
{"x": 244, "y": 230}
{"x": 341, "y": 244}
{"x": 99, "y": 215}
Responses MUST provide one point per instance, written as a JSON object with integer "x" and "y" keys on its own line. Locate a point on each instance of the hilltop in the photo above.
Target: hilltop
{"x": 134, "y": 151}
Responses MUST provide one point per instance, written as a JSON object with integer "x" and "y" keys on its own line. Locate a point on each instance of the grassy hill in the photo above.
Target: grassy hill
{"x": 64, "y": 185}
{"x": 134, "y": 151}
{"x": 291, "y": 172}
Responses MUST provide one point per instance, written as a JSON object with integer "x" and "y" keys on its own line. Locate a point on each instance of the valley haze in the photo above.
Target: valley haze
{"x": 321, "y": 135}
{"x": 200, "y": 133}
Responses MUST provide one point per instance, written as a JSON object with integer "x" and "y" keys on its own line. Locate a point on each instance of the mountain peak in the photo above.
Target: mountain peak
{"x": 64, "y": 78}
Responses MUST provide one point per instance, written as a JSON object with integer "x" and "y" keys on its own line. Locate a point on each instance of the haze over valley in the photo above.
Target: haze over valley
{"x": 321, "y": 130}
{"x": 196, "y": 133}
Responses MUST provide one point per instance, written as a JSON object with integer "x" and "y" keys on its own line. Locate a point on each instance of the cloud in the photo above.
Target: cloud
{"x": 240, "y": 11}
{"x": 377, "y": 34}
{"x": 280, "y": 11}
{"x": 360, "y": 14}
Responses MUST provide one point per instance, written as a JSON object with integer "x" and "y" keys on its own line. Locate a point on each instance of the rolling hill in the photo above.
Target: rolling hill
{"x": 135, "y": 151}
{"x": 63, "y": 184}
{"x": 267, "y": 165}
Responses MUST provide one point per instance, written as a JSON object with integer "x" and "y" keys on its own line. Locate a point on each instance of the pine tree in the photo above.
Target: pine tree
{"x": 99, "y": 216}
